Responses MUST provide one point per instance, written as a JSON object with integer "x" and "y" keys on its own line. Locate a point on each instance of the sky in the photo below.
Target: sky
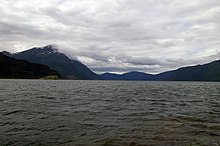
{"x": 116, "y": 36}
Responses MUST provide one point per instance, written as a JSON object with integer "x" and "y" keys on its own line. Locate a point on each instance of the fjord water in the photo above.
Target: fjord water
{"x": 36, "y": 112}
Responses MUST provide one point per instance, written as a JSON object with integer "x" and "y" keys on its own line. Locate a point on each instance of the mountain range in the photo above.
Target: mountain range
{"x": 206, "y": 72}
{"x": 21, "y": 69}
{"x": 73, "y": 69}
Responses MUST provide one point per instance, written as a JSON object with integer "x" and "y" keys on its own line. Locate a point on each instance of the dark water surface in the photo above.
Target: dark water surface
{"x": 66, "y": 113}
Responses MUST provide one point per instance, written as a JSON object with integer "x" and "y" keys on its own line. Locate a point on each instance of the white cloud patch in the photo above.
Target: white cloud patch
{"x": 116, "y": 35}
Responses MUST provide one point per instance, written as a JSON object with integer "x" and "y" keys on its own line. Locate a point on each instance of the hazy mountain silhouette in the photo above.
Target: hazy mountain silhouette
{"x": 128, "y": 76}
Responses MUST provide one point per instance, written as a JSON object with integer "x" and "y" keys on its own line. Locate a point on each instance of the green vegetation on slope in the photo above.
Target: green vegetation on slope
{"x": 11, "y": 68}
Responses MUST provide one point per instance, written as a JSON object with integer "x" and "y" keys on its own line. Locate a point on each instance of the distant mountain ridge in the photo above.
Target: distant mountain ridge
{"x": 206, "y": 72}
{"x": 11, "y": 68}
{"x": 128, "y": 76}
{"x": 50, "y": 56}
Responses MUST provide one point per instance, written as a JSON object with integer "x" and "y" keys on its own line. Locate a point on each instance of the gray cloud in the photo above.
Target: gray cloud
{"x": 116, "y": 35}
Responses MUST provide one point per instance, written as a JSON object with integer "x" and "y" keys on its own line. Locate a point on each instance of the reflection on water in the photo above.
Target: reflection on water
{"x": 67, "y": 113}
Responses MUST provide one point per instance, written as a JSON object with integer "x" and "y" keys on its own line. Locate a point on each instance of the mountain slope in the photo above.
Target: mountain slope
{"x": 206, "y": 72}
{"x": 48, "y": 55}
{"x": 21, "y": 69}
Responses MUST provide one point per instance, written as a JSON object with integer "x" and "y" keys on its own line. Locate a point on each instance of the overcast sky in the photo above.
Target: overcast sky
{"x": 116, "y": 35}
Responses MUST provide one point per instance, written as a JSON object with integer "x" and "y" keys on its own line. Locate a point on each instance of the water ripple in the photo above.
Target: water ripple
{"x": 67, "y": 113}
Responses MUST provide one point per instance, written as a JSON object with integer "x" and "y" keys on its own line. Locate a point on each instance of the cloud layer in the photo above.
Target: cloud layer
{"x": 116, "y": 35}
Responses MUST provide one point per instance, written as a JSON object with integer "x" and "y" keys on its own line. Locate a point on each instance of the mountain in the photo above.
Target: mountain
{"x": 128, "y": 76}
{"x": 49, "y": 55}
{"x": 206, "y": 72}
{"x": 21, "y": 69}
